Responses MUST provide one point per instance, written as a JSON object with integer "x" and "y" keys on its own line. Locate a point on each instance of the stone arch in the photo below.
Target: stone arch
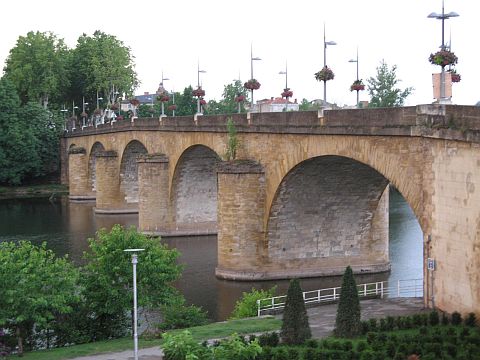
{"x": 194, "y": 188}
{"x": 326, "y": 209}
{"x": 129, "y": 171}
{"x": 97, "y": 147}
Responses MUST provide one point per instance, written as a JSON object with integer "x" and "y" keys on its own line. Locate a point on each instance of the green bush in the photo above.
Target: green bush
{"x": 309, "y": 354}
{"x": 234, "y": 348}
{"x": 269, "y": 339}
{"x": 180, "y": 316}
{"x": 361, "y": 346}
{"x": 247, "y": 305}
{"x": 390, "y": 323}
{"x": 471, "y": 320}
{"x": 456, "y": 318}
{"x": 347, "y": 322}
{"x": 445, "y": 320}
{"x": 433, "y": 318}
{"x": 280, "y": 353}
{"x": 295, "y": 327}
{"x": 181, "y": 345}
{"x": 372, "y": 324}
{"x": 371, "y": 337}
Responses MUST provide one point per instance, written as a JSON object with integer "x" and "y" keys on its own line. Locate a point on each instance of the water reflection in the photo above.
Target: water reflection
{"x": 67, "y": 225}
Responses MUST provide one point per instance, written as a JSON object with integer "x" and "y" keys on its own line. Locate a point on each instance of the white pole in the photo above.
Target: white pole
{"x": 135, "y": 335}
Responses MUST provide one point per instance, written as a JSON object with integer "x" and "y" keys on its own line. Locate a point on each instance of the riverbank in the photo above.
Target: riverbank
{"x": 28, "y": 191}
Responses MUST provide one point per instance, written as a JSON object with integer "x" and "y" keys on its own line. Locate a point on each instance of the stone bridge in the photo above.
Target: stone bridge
{"x": 308, "y": 193}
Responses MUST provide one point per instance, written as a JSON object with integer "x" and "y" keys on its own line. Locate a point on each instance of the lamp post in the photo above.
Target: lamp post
{"x": 98, "y": 100}
{"x": 286, "y": 83}
{"x": 356, "y": 61}
{"x": 64, "y": 111}
{"x": 134, "y": 264}
{"x": 442, "y": 17}
{"x": 325, "y": 43}
{"x": 83, "y": 110}
{"x": 163, "y": 105}
{"x": 251, "y": 73}
{"x": 198, "y": 86}
{"x": 173, "y": 102}
{"x": 73, "y": 114}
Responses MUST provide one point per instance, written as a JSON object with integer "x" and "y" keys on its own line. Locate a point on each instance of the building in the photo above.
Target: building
{"x": 275, "y": 105}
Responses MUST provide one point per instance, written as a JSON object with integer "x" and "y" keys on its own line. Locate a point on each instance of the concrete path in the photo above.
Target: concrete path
{"x": 321, "y": 318}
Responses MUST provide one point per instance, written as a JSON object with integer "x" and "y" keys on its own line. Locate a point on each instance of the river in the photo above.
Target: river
{"x": 65, "y": 226}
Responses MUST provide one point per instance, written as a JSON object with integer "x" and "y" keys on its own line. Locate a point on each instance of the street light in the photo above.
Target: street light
{"x": 442, "y": 17}
{"x": 163, "y": 106}
{"x": 198, "y": 85}
{"x": 135, "y": 335}
{"x": 83, "y": 110}
{"x": 356, "y": 61}
{"x": 251, "y": 73}
{"x": 64, "y": 110}
{"x": 73, "y": 114}
{"x": 325, "y": 43}
{"x": 286, "y": 83}
{"x": 98, "y": 99}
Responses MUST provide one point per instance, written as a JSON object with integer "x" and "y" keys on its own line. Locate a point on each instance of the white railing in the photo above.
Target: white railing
{"x": 381, "y": 289}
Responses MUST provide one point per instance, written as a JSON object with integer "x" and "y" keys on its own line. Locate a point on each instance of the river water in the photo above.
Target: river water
{"x": 65, "y": 226}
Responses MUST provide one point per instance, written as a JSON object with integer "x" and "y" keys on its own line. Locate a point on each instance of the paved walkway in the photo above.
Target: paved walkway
{"x": 321, "y": 318}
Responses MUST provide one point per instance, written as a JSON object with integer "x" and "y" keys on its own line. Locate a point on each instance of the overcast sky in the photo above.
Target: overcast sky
{"x": 173, "y": 35}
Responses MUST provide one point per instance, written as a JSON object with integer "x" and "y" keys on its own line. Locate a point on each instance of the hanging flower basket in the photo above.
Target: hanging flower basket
{"x": 443, "y": 58}
{"x": 134, "y": 102}
{"x": 455, "y": 77}
{"x": 325, "y": 74}
{"x": 120, "y": 117}
{"x": 97, "y": 112}
{"x": 84, "y": 114}
{"x": 203, "y": 102}
{"x": 287, "y": 93}
{"x": 172, "y": 107}
{"x": 357, "y": 86}
{"x": 198, "y": 92}
{"x": 163, "y": 98}
{"x": 252, "y": 84}
{"x": 114, "y": 107}
{"x": 240, "y": 98}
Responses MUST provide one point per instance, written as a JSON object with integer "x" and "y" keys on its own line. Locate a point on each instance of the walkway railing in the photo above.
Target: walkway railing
{"x": 381, "y": 289}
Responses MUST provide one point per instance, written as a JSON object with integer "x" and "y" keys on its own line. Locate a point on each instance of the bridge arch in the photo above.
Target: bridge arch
{"x": 129, "y": 170}
{"x": 97, "y": 147}
{"x": 194, "y": 189}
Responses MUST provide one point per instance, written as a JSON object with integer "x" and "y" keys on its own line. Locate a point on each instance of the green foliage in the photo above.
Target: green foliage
{"x": 347, "y": 322}
{"x": 186, "y": 103}
{"x": 295, "y": 327}
{"x": 37, "y": 66}
{"x": 34, "y": 287}
{"x": 247, "y": 305}
{"x": 269, "y": 339}
{"x": 434, "y": 318}
{"x": 471, "y": 320}
{"x": 232, "y": 144}
{"x": 456, "y": 318}
{"x": 181, "y": 346}
{"x": 107, "y": 278}
{"x": 180, "y": 316}
{"x": 383, "y": 88}
{"x": 228, "y": 105}
{"x": 234, "y": 348}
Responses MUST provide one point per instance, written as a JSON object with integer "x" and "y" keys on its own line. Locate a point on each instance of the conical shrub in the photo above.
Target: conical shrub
{"x": 347, "y": 323}
{"x": 295, "y": 327}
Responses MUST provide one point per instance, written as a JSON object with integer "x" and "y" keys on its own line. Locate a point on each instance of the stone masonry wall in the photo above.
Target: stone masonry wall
{"x": 129, "y": 171}
{"x": 96, "y": 149}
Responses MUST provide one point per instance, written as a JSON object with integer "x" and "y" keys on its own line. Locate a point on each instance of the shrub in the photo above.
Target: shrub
{"x": 371, "y": 337}
{"x": 390, "y": 323}
{"x": 383, "y": 325}
{"x": 181, "y": 345}
{"x": 347, "y": 322}
{"x": 471, "y": 320}
{"x": 372, "y": 324}
{"x": 309, "y": 354}
{"x": 180, "y": 316}
{"x": 311, "y": 343}
{"x": 361, "y": 346}
{"x": 293, "y": 353}
{"x": 247, "y": 305}
{"x": 445, "y": 320}
{"x": 417, "y": 320}
{"x": 295, "y": 327}
{"x": 456, "y": 318}
{"x": 279, "y": 353}
{"x": 433, "y": 318}
{"x": 391, "y": 348}
{"x": 269, "y": 339}
{"x": 365, "y": 327}
{"x": 423, "y": 330}
{"x": 450, "y": 349}
{"x": 234, "y": 348}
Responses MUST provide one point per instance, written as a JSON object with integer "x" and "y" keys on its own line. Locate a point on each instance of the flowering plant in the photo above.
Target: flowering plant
{"x": 203, "y": 102}
{"x": 455, "y": 77}
{"x": 172, "y": 107}
{"x": 84, "y": 114}
{"x": 114, "y": 107}
{"x": 198, "y": 92}
{"x": 252, "y": 84}
{"x": 134, "y": 102}
{"x": 443, "y": 58}
{"x": 97, "y": 112}
{"x": 287, "y": 93}
{"x": 239, "y": 98}
{"x": 163, "y": 98}
{"x": 325, "y": 74}
{"x": 357, "y": 86}
{"x": 120, "y": 117}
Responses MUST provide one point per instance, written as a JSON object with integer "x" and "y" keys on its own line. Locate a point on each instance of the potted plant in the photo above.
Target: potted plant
{"x": 134, "y": 102}
{"x": 163, "y": 98}
{"x": 239, "y": 98}
{"x": 203, "y": 102}
{"x": 325, "y": 74}
{"x": 252, "y": 84}
{"x": 119, "y": 117}
{"x": 455, "y": 77}
{"x": 443, "y": 58}
{"x": 357, "y": 86}
{"x": 84, "y": 114}
{"x": 172, "y": 107}
{"x": 287, "y": 93}
{"x": 198, "y": 92}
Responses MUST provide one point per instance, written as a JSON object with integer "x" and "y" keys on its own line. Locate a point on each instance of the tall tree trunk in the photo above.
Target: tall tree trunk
{"x": 20, "y": 341}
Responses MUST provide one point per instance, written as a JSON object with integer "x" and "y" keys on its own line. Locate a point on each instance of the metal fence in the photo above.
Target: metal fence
{"x": 380, "y": 289}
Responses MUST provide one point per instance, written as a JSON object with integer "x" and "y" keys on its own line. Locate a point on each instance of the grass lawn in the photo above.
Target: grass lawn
{"x": 200, "y": 333}
{"x": 32, "y": 190}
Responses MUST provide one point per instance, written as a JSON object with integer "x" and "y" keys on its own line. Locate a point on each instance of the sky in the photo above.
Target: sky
{"x": 174, "y": 36}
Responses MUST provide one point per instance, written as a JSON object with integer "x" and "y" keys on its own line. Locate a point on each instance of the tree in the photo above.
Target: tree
{"x": 232, "y": 144}
{"x": 107, "y": 278}
{"x": 295, "y": 327}
{"x": 347, "y": 323}
{"x": 34, "y": 286}
{"x": 101, "y": 63}
{"x": 383, "y": 88}
{"x": 37, "y": 67}
{"x": 186, "y": 103}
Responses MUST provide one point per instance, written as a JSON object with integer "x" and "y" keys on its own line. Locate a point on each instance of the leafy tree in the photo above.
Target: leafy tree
{"x": 383, "y": 88}
{"x": 107, "y": 278}
{"x": 347, "y": 323}
{"x": 186, "y": 103}
{"x": 101, "y": 63}
{"x": 247, "y": 305}
{"x": 295, "y": 327}
{"x": 34, "y": 286}
{"x": 37, "y": 66}
{"x": 228, "y": 105}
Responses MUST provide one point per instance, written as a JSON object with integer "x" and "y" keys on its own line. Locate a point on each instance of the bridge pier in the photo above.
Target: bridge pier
{"x": 153, "y": 206}
{"x": 78, "y": 175}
